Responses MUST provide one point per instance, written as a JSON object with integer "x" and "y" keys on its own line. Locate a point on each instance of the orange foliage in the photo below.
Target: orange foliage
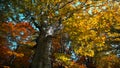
{"x": 23, "y": 61}
{"x": 76, "y": 65}
{"x": 4, "y": 57}
{"x": 22, "y": 29}
{"x": 22, "y": 54}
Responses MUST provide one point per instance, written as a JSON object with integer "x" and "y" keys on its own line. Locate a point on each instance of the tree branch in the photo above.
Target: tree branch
{"x": 65, "y": 4}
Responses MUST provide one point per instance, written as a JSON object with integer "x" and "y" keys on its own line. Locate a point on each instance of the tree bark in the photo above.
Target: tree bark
{"x": 41, "y": 59}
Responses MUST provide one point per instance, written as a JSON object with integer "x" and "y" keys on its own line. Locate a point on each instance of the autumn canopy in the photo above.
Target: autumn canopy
{"x": 59, "y": 34}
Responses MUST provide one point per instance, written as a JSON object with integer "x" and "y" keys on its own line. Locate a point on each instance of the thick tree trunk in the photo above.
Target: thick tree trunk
{"x": 41, "y": 58}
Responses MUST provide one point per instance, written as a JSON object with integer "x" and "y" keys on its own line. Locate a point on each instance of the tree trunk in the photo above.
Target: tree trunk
{"x": 41, "y": 59}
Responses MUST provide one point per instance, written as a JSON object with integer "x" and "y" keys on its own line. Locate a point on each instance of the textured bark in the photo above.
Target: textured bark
{"x": 41, "y": 58}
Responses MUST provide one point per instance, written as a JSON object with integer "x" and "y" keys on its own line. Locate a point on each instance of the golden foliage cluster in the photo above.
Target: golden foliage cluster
{"x": 89, "y": 33}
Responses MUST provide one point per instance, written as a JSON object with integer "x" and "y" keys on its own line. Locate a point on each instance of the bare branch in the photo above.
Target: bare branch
{"x": 65, "y": 4}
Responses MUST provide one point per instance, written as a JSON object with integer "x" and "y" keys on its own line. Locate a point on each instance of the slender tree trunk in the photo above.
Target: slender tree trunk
{"x": 41, "y": 58}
